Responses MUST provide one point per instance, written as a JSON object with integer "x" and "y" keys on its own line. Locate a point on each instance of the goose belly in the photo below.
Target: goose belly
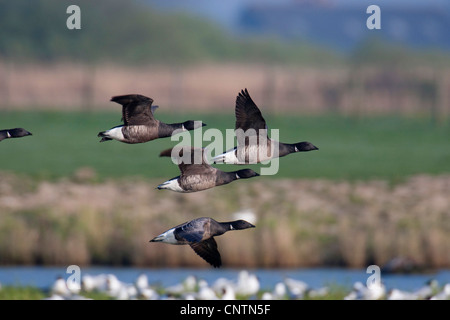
{"x": 193, "y": 183}
{"x": 250, "y": 154}
{"x": 140, "y": 133}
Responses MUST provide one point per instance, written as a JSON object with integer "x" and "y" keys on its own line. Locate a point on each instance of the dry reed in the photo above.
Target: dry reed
{"x": 344, "y": 89}
{"x": 300, "y": 223}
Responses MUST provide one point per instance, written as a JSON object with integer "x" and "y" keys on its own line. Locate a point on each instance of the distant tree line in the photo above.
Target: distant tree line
{"x": 133, "y": 33}
{"x": 130, "y": 32}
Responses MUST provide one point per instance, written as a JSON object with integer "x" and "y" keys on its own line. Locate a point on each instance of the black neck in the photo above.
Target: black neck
{"x": 286, "y": 148}
{"x": 165, "y": 129}
{"x": 228, "y": 225}
{"x": 226, "y": 177}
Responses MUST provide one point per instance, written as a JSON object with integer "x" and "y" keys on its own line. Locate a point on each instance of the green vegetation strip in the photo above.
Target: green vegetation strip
{"x": 389, "y": 148}
{"x": 336, "y": 292}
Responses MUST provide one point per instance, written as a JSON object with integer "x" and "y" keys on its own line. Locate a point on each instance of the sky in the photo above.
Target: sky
{"x": 408, "y": 26}
{"x": 225, "y": 12}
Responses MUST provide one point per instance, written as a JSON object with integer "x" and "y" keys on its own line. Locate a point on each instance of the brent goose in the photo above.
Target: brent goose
{"x": 199, "y": 234}
{"x": 13, "y": 133}
{"x": 140, "y": 124}
{"x": 196, "y": 173}
{"x": 251, "y": 128}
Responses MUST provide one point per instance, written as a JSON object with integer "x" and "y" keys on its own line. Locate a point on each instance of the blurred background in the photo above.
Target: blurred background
{"x": 375, "y": 102}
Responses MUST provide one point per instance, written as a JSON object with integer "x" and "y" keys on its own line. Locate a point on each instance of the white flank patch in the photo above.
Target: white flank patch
{"x": 171, "y": 185}
{"x": 228, "y": 157}
{"x": 253, "y": 152}
{"x": 168, "y": 237}
{"x": 115, "y": 133}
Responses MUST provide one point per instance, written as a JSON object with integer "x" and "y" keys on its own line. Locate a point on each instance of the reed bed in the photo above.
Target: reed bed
{"x": 300, "y": 223}
{"x": 344, "y": 89}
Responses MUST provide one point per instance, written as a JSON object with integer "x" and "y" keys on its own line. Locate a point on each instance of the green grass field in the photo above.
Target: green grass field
{"x": 376, "y": 147}
{"x": 336, "y": 292}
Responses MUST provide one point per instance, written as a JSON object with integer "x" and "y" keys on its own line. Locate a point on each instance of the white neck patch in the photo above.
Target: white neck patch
{"x": 8, "y": 134}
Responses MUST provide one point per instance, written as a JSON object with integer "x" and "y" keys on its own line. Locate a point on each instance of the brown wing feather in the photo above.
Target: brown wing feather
{"x": 248, "y": 115}
{"x": 190, "y": 160}
{"x": 207, "y": 249}
{"x": 136, "y": 109}
{"x": 166, "y": 153}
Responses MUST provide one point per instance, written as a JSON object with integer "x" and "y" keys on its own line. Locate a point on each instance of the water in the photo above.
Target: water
{"x": 43, "y": 277}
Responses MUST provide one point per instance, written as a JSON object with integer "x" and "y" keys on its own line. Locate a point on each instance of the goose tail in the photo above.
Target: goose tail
{"x": 102, "y": 134}
{"x": 219, "y": 158}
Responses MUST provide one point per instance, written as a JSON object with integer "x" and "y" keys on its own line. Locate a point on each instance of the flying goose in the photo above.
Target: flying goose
{"x": 13, "y": 133}
{"x": 196, "y": 173}
{"x": 199, "y": 234}
{"x": 254, "y": 145}
{"x": 140, "y": 124}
